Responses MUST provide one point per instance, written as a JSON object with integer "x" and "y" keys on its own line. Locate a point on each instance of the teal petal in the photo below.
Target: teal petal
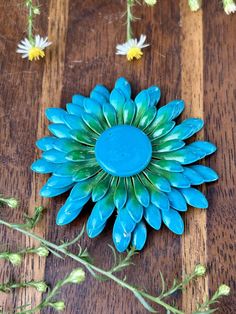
{"x": 59, "y": 182}
{"x": 168, "y": 146}
{"x": 120, "y": 195}
{"x": 43, "y": 166}
{"x": 123, "y": 85}
{"x": 121, "y": 239}
{"x": 154, "y": 94}
{"x": 102, "y": 210}
{"x": 183, "y": 156}
{"x": 177, "y": 201}
{"x": 185, "y": 130}
{"x": 55, "y": 115}
{"x": 194, "y": 198}
{"x": 97, "y": 96}
{"x": 93, "y": 233}
{"x": 129, "y": 112}
{"x": 66, "y": 170}
{"x": 142, "y": 101}
{"x": 160, "y": 200}
{"x": 167, "y": 165}
{"x": 207, "y": 147}
{"x": 80, "y": 155}
{"x": 93, "y": 108}
{"x": 78, "y": 99}
{"x": 101, "y": 89}
{"x": 170, "y": 111}
{"x": 110, "y": 114}
{"x": 152, "y": 215}
{"x": 139, "y": 236}
{"x": 176, "y": 179}
{"x": 81, "y": 190}
{"x": 83, "y": 137}
{"x": 173, "y": 221}
{"x": 206, "y": 173}
{"x": 161, "y": 131}
{"x": 74, "y": 122}
{"x": 117, "y": 100}
{"x": 158, "y": 181}
{"x": 193, "y": 176}
{"x": 135, "y": 209}
{"x": 101, "y": 188}
{"x": 55, "y": 156}
{"x": 141, "y": 192}
{"x": 147, "y": 118}
{"x": 85, "y": 173}
{"x": 70, "y": 210}
{"x": 46, "y": 143}
{"x": 59, "y": 130}
{"x": 48, "y": 191}
{"x": 74, "y": 109}
{"x": 66, "y": 145}
{"x": 125, "y": 220}
{"x": 92, "y": 123}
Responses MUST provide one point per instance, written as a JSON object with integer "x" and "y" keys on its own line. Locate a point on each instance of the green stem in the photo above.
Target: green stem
{"x": 88, "y": 265}
{"x": 29, "y": 5}
{"x": 129, "y": 18}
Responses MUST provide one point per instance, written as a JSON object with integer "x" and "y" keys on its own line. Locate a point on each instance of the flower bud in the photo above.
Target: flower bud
{"x": 36, "y": 11}
{"x": 76, "y": 276}
{"x": 229, "y": 6}
{"x": 195, "y": 5}
{"x": 150, "y": 2}
{"x": 42, "y": 251}
{"x": 59, "y": 305}
{"x": 15, "y": 258}
{"x": 41, "y": 286}
{"x": 223, "y": 290}
{"x": 11, "y": 202}
{"x": 200, "y": 270}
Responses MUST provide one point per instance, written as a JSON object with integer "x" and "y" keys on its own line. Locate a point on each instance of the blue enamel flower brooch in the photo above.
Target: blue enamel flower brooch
{"x": 129, "y": 157}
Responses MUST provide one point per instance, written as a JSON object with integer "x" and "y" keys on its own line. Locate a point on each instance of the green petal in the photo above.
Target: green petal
{"x": 109, "y": 114}
{"x": 101, "y": 188}
{"x": 147, "y": 118}
{"x": 176, "y": 179}
{"x": 85, "y": 173}
{"x": 120, "y": 195}
{"x": 168, "y": 146}
{"x": 141, "y": 192}
{"x": 83, "y": 137}
{"x": 93, "y": 123}
{"x": 167, "y": 165}
{"x": 80, "y": 155}
{"x": 129, "y": 111}
{"x": 161, "y": 131}
{"x": 158, "y": 181}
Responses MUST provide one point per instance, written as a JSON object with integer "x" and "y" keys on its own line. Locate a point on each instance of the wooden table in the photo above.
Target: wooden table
{"x": 192, "y": 56}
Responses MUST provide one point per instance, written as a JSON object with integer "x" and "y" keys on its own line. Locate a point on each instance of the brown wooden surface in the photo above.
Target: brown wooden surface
{"x": 192, "y": 56}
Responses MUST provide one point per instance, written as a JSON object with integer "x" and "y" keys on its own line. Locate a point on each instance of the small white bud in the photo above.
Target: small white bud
{"x": 150, "y": 2}
{"x": 229, "y": 6}
{"x": 41, "y": 286}
{"x": 59, "y": 305}
{"x": 200, "y": 270}
{"x": 15, "y": 258}
{"x": 42, "y": 251}
{"x": 76, "y": 276}
{"x": 195, "y": 5}
{"x": 223, "y": 290}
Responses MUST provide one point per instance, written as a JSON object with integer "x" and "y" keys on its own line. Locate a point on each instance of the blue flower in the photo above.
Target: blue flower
{"x": 128, "y": 157}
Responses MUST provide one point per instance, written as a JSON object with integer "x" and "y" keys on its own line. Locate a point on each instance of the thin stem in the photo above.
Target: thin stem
{"x": 129, "y": 19}
{"x": 90, "y": 266}
{"x": 30, "y": 20}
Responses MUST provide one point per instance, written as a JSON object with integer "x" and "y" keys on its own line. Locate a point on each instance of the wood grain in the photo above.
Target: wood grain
{"x": 191, "y": 56}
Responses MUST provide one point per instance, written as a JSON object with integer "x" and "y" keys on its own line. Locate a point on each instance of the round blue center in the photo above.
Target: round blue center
{"x": 123, "y": 151}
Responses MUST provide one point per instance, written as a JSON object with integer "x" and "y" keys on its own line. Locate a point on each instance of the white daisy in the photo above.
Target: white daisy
{"x": 229, "y": 6}
{"x": 132, "y": 48}
{"x": 33, "y": 50}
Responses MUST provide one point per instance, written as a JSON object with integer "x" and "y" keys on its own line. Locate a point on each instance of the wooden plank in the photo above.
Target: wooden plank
{"x": 194, "y": 246}
{"x": 220, "y": 116}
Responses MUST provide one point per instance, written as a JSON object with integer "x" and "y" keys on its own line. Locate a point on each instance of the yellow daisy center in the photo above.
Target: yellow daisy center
{"x": 35, "y": 53}
{"x": 134, "y": 52}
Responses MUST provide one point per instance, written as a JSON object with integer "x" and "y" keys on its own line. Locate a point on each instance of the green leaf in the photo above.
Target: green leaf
{"x": 144, "y": 302}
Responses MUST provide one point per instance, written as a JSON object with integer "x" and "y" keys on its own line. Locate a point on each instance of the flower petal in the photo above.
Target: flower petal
{"x": 74, "y": 109}
{"x": 177, "y": 201}
{"x": 193, "y": 177}
{"x": 121, "y": 239}
{"x": 110, "y": 114}
{"x": 101, "y": 189}
{"x": 59, "y": 182}
{"x": 173, "y": 221}
{"x": 152, "y": 215}
{"x": 168, "y": 146}
{"x": 206, "y": 173}
{"x": 141, "y": 192}
{"x": 154, "y": 94}
{"x": 129, "y": 112}
{"x": 46, "y": 143}
{"x": 135, "y": 209}
{"x": 126, "y": 221}
{"x": 55, "y": 156}
{"x": 194, "y": 198}
{"x": 139, "y": 236}
{"x": 160, "y": 200}
{"x": 123, "y": 85}
{"x": 120, "y": 194}
{"x": 49, "y": 191}
{"x": 55, "y": 115}
{"x": 43, "y": 166}
{"x": 59, "y": 130}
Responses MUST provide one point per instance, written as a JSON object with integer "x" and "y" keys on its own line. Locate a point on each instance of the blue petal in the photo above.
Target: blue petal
{"x": 46, "y": 143}
{"x": 125, "y": 220}
{"x": 59, "y": 182}
{"x": 170, "y": 111}
{"x": 195, "y": 198}
{"x": 93, "y": 233}
{"x": 103, "y": 91}
{"x": 168, "y": 165}
{"x": 55, "y": 115}
{"x": 78, "y": 99}
{"x": 176, "y": 179}
{"x": 155, "y": 95}
{"x": 160, "y": 200}
{"x": 97, "y": 96}
{"x": 121, "y": 239}
{"x": 55, "y": 156}
{"x": 59, "y": 130}
{"x": 123, "y": 85}
{"x": 207, "y": 147}
{"x": 74, "y": 122}
{"x": 193, "y": 176}
{"x": 117, "y": 99}
{"x": 43, "y": 166}
{"x": 153, "y": 216}
{"x": 66, "y": 145}
{"x": 109, "y": 114}
{"x": 168, "y": 146}
{"x": 206, "y": 173}
{"x": 102, "y": 210}
{"x": 74, "y": 109}
{"x": 81, "y": 190}
{"x": 173, "y": 221}
{"x": 48, "y": 191}
{"x": 70, "y": 210}
{"x": 93, "y": 108}
{"x": 142, "y": 100}
{"x": 135, "y": 209}
{"x": 139, "y": 236}
{"x": 129, "y": 112}
{"x": 177, "y": 200}
{"x": 183, "y": 156}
